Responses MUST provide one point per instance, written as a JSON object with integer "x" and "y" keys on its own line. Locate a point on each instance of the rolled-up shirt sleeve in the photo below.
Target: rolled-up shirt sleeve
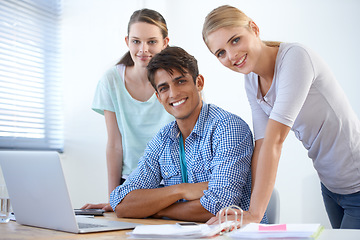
{"x": 230, "y": 181}
{"x": 147, "y": 175}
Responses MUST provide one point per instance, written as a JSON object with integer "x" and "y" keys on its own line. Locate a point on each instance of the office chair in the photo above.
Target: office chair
{"x": 273, "y": 208}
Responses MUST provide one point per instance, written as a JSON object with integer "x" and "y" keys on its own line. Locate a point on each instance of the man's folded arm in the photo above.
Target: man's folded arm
{"x": 142, "y": 203}
{"x": 186, "y": 211}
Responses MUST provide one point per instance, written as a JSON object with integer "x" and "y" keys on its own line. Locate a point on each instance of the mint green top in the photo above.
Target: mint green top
{"x": 138, "y": 121}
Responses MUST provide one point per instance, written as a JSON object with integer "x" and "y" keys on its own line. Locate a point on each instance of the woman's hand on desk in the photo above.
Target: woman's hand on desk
{"x": 105, "y": 206}
{"x": 247, "y": 218}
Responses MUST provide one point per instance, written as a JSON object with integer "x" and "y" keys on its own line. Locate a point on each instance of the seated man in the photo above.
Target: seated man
{"x": 203, "y": 157}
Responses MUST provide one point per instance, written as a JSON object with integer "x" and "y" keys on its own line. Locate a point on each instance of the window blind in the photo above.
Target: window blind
{"x": 30, "y": 63}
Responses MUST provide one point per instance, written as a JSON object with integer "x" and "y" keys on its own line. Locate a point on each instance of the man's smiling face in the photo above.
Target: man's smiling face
{"x": 178, "y": 93}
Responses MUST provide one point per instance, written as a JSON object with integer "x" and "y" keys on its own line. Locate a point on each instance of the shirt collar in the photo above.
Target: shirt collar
{"x": 200, "y": 123}
{"x": 199, "y": 126}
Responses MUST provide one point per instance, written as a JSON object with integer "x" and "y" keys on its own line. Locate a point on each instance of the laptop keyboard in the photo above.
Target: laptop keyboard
{"x": 89, "y": 225}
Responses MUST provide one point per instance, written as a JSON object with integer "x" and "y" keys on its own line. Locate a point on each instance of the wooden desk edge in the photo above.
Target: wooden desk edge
{"x": 13, "y": 230}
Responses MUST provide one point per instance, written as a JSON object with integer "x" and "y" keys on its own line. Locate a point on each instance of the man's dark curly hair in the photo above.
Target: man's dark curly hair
{"x": 171, "y": 59}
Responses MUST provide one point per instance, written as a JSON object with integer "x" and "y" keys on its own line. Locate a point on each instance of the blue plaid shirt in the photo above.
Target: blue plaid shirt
{"x": 218, "y": 150}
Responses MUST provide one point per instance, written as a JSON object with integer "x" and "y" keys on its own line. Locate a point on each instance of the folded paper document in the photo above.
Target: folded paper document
{"x": 257, "y": 231}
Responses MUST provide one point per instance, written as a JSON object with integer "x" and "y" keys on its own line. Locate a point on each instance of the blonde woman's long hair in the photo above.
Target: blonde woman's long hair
{"x": 226, "y": 17}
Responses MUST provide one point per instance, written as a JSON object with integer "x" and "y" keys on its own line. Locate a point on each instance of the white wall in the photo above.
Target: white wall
{"x": 93, "y": 37}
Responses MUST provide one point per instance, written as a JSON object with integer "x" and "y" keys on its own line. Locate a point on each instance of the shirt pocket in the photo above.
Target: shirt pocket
{"x": 170, "y": 174}
{"x": 201, "y": 171}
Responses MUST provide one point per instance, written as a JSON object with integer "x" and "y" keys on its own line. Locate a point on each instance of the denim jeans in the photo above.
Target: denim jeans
{"x": 343, "y": 210}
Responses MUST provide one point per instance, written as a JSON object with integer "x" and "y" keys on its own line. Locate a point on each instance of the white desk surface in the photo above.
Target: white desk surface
{"x": 339, "y": 234}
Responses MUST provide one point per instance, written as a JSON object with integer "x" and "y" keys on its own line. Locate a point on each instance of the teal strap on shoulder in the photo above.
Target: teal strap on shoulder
{"x": 183, "y": 167}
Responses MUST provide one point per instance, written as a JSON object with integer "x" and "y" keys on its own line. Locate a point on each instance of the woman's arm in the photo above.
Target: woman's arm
{"x": 264, "y": 168}
{"x": 295, "y": 77}
{"x": 265, "y": 163}
{"x": 114, "y": 151}
{"x": 254, "y": 161}
{"x": 113, "y": 157}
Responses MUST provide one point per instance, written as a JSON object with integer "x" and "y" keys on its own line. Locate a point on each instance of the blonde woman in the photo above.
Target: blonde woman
{"x": 127, "y": 100}
{"x": 289, "y": 87}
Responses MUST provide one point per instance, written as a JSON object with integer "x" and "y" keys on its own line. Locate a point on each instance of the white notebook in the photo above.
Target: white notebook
{"x": 273, "y": 231}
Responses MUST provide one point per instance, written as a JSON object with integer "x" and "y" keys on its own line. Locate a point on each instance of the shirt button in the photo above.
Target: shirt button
{"x": 166, "y": 173}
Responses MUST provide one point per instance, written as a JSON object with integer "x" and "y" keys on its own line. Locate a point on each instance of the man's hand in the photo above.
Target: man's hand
{"x": 193, "y": 191}
{"x": 105, "y": 206}
{"x": 191, "y": 210}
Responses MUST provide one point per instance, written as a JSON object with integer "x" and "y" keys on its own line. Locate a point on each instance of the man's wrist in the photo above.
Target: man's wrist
{"x": 179, "y": 190}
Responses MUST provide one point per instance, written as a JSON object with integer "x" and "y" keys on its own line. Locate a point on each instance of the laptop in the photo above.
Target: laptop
{"x": 39, "y": 195}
